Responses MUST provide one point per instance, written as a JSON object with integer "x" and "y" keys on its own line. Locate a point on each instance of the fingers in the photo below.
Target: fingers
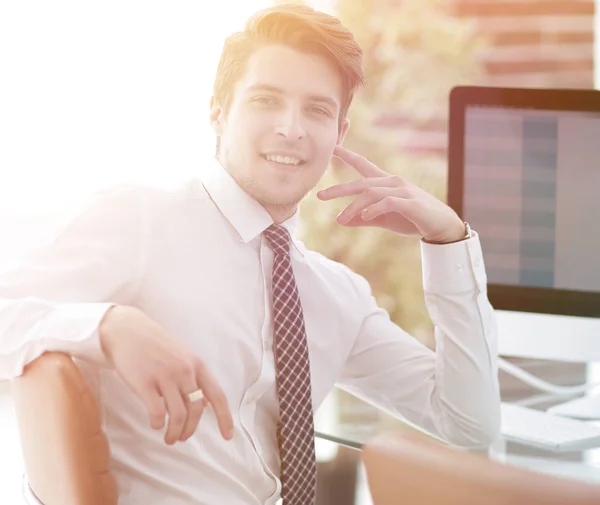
{"x": 383, "y": 206}
{"x": 183, "y": 414}
{"x": 194, "y": 410}
{"x": 155, "y": 406}
{"x": 216, "y": 397}
{"x": 352, "y": 188}
{"x": 358, "y": 186}
{"x": 362, "y": 165}
{"x": 177, "y": 410}
{"x": 367, "y": 199}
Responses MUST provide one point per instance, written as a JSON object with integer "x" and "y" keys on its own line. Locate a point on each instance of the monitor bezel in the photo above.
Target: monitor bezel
{"x": 504, "y": 297}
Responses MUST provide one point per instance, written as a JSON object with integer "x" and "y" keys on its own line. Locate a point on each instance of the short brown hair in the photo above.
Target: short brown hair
{"x": 301, "y": 28}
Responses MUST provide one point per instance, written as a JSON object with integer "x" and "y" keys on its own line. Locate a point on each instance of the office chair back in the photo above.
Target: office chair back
{"x": 65, "y": 452}
{"x": 407, "y": 468}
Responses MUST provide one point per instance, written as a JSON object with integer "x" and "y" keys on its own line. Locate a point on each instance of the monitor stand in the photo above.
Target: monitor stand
{"x": 587, "y": 407}
{"x": 548, "y": 336}
{"x": 559, "y": 338}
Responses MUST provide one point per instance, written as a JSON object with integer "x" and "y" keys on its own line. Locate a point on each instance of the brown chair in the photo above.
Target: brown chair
{"x": 410, "y": 469}
{"x": 64, "y": 449}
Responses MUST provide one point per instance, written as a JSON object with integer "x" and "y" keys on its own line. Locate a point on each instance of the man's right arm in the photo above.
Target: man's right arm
{"x": 56, "y": 299}
{"x": 76, "y": 295}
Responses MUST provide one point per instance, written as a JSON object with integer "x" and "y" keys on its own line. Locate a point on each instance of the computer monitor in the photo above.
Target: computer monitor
{"x": 524, "y": 171}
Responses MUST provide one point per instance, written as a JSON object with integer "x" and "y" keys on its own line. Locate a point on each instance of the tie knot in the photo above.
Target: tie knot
{"x": 278, "y": 238}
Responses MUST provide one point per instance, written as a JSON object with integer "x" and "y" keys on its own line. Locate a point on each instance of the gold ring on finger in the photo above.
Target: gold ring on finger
{"x": 196, "y": 396}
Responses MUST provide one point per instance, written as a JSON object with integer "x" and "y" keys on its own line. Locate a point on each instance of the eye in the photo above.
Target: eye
{"x": 265, "y": 99}
{"x": 320, "y": 110}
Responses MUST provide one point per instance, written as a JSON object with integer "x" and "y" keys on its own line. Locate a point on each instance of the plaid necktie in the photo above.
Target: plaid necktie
{"x": 295, "y": 431}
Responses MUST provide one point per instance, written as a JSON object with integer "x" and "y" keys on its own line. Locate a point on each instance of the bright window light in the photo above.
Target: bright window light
{"x": 97, "y": 93}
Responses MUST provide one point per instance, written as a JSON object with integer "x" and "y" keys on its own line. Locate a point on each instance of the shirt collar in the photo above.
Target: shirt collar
{"x": 247, "y": 216}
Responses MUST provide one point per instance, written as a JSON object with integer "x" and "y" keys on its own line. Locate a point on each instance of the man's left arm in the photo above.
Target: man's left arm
{"x": 453, "y": 393}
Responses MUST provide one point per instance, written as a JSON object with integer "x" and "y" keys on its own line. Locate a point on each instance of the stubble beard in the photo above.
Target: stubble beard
{"x": 270, "y": 199}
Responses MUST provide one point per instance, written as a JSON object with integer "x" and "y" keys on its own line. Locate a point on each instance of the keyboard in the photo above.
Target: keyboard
{"x": 547, "y": 431}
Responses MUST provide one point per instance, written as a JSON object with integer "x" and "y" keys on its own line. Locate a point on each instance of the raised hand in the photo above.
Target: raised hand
{"x": 391, "y": 202}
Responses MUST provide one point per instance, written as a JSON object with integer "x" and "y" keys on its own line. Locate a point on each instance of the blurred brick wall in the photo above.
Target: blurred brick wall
{"x": 533, "y": 43}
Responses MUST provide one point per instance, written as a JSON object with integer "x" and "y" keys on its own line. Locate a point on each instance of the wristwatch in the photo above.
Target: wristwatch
{"x": 468, "y": 231}
{"x": 468, "y": 235}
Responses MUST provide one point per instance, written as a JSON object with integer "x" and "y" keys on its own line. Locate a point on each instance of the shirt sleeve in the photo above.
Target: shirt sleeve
{"x": 451, "y": 393}
{"x": 55, "y": 299}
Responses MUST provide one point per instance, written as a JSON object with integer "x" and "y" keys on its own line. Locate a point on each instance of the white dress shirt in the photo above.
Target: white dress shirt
{"x": 195, "y": 260}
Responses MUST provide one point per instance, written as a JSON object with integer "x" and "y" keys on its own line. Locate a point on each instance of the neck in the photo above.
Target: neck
{"x": 280, "y": 213}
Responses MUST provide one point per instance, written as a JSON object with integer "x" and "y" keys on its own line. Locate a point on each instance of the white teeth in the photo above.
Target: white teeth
{"x": 286, "y": 160}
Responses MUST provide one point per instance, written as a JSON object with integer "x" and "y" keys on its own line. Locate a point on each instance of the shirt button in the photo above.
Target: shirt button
{"x": 460, "y": 267}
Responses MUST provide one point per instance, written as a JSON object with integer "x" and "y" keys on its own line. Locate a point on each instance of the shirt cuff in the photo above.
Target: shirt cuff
{"x": 79, "y": 334}
{"x": 453, "y": 268}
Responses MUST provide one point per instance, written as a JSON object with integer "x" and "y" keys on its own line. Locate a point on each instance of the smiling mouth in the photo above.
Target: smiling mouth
{"x": 291, "y": 161}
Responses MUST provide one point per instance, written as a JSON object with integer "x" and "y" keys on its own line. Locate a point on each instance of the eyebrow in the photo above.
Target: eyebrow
{"x": 313, "y": 98}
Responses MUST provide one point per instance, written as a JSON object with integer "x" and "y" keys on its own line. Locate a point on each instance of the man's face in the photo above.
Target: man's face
{"x": 278, "y": 135}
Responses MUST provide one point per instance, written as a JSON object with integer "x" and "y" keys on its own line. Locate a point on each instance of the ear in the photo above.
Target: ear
{"x": 343, "y": 131}
{"x": 216, "y": 116}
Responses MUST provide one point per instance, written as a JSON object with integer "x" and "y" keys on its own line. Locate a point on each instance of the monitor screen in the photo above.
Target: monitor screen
{"x": 530, "y": 186}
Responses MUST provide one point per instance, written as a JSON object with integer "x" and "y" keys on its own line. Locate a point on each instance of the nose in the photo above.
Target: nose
{"x": 290, "y": 124}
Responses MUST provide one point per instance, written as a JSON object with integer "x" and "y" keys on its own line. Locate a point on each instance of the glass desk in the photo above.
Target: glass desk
{"x": 581, "y": 465}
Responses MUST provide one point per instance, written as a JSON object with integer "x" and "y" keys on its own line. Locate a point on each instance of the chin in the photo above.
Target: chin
{"x": 281, "y": 193}
{"x": 280, "y": 200}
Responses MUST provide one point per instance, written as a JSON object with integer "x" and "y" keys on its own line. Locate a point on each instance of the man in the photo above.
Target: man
{"x": 196, "y": 307}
